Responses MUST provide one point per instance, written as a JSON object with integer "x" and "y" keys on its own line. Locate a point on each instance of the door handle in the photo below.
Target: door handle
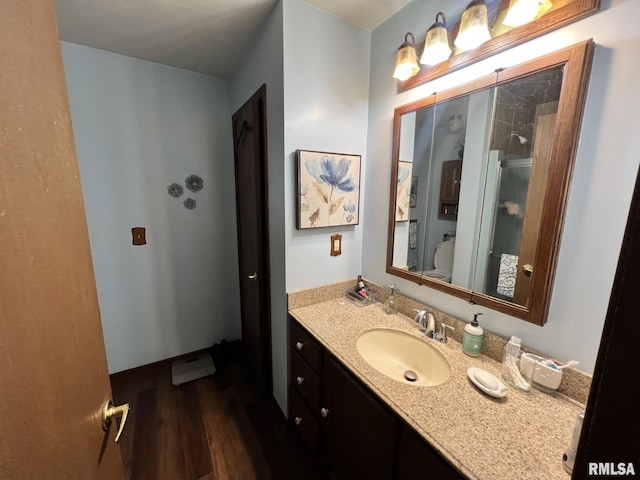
{"x": 528, "y": 269}
{"x": 109, "y": 412}
{"x": 253, "y": 276}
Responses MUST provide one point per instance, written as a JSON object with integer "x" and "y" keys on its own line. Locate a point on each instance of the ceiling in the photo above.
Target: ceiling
{"x": 206, "y": 36}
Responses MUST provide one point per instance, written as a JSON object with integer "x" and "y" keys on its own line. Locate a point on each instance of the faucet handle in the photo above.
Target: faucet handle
{"x": 442, "y": 336}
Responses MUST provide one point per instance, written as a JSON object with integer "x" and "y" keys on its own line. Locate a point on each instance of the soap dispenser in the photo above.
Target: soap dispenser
{"x": 472, "y": 337}
{"x": 390, "y": 306}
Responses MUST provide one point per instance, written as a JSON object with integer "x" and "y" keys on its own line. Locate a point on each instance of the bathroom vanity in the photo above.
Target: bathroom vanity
{"x": 351, "y": 431}
{"x": 362, "y": 424}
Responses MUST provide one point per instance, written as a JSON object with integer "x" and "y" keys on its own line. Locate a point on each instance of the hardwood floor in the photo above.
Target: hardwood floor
{"x": 213, "y": 428}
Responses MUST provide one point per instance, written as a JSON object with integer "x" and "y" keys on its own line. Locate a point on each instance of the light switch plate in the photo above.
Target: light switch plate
{"x": 336, "y": 245}
{"x": 139, "y": 235}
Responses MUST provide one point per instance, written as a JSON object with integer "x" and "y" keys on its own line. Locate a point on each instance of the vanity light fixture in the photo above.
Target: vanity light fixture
{"x": 474, "y": 26}
{"x": 525, "y": 11}
{"x": 455, "y": 123}
{"x": 436, "y": 46}
{"x": 407, "y": 59}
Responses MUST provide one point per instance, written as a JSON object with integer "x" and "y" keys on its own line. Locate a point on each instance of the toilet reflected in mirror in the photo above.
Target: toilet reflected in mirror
{"x": 442, "y": 261}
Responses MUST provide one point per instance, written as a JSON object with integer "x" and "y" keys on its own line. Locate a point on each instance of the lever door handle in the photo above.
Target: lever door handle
{"x": 109, "y": 412}
{"x": 253, "y": 276}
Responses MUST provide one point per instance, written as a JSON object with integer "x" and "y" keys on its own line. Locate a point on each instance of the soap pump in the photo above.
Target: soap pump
{"x": 472, "y": 337}
{"x": 390, "y": 306}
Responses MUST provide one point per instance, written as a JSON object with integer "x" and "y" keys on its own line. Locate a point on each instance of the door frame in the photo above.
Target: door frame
{"x": 611, "y": 427}
{"x": 260, "y": 97}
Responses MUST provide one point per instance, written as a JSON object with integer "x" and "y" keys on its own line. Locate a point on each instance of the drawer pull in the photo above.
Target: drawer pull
{"x": 299, "y": 380}
{"x": 298, "y": 420}
{"x": 299, "y": 345}
{"x": 324, "y": 412}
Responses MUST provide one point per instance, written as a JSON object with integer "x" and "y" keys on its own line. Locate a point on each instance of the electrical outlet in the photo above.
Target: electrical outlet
{"x": 139, "y": 236}
{"x": 336, "y": 245}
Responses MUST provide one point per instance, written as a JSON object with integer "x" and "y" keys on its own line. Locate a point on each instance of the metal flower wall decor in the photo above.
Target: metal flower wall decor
{"x": 175, "y": 190}
{"x": 328, "y": 189}
{"x": 193, "y": 183}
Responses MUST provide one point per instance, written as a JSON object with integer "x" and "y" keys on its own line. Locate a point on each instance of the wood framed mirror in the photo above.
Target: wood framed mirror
{"x": 480, "y": 180}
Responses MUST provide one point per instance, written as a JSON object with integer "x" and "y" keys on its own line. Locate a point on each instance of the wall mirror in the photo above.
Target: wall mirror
{"x": 560, "y": 13}
{"x": 480, "y": 179}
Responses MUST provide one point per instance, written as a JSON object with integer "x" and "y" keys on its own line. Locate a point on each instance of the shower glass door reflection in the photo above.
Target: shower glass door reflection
{"x": 515, "y": 183}
{"x": 502, "y": 223}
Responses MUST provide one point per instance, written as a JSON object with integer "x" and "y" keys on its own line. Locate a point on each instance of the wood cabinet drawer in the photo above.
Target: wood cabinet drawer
{"x": 308, "y": 348}
{"x": 305, "y": 381}
{"x": 303, "y": 421}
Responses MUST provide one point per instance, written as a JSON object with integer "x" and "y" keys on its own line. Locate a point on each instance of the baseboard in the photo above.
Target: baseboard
{"x": 160, "y": 363}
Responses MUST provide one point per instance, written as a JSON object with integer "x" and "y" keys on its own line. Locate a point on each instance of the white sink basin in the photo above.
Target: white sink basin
{"x": 403, "y": 357}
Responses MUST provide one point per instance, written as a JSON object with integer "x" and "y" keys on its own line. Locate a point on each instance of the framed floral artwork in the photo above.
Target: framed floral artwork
{"x": 328, "y": 189}
{"x": 403, "y": 197}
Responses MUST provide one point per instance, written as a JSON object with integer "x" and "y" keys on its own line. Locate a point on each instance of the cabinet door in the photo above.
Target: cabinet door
{"x": 418, "y": 461}
{"x": 450, "y": 184}
{"x": 358, "y": 432}
{"x": 450, "y": 189}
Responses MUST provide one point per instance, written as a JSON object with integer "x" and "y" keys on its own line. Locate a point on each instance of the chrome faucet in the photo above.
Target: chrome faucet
{"x": 441, "y": 336}
{"x": 427, "y": 322}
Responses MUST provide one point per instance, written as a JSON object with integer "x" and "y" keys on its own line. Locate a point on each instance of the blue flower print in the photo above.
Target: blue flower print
{"x": 334, "y": 174}
{"x": 349, "y": 208}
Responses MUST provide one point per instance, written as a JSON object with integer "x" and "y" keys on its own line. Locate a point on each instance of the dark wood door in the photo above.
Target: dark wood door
{"x": 541, "y": 154}
{"x": 358, "y": 432}
{"x": 250, "y": 155}
{"x": 611, "y": 429}
{"x": 53, "y": 369}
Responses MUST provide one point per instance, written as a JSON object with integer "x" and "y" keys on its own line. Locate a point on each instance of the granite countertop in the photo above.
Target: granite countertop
{"x": 520, "y": 436}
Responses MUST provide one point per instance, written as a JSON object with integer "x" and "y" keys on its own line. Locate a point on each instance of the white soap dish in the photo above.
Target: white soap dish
{"x": 488, "y": 383}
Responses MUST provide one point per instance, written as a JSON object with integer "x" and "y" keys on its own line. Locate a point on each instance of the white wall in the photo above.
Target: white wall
{"x": 322, "y": 62}
{"x": 264, "y": 65}
{"x": 139, "y": 127}
{"x": 472, "y": 186}
{"x": 326, "y": 80}
{"x": 606, "y": 168}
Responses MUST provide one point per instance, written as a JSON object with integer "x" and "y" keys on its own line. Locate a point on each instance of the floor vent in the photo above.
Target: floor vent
{"x": 192, "y": 368}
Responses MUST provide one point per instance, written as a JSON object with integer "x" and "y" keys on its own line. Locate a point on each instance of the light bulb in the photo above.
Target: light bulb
{"x": 474, "y": 26}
